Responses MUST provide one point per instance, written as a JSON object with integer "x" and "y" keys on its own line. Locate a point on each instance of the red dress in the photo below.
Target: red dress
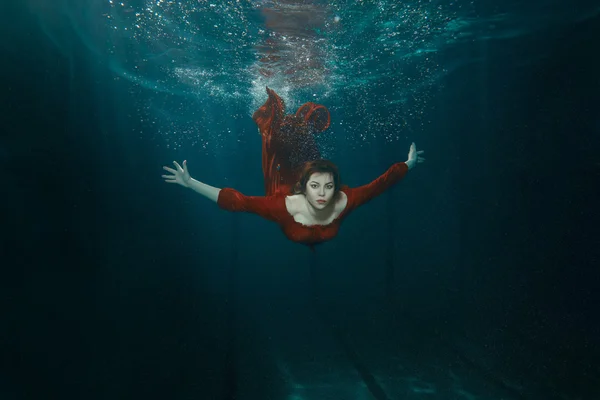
{"x": 288, "y": 142}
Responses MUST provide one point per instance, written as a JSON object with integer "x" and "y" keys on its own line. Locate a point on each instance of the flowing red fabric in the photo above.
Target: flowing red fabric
{"x": 288, "y": 140}
{"x": 316, "y": 115}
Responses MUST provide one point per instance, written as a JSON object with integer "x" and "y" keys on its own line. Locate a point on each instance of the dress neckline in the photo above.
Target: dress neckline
{"x": 318, "y": 226}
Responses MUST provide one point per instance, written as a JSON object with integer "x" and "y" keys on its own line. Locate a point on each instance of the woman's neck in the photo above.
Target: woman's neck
{"x": 319, "y": 214}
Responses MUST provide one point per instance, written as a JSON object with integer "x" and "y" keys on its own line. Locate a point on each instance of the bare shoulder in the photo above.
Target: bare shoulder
{"x": 341, "y": 202}
{"x": 292, "y": 203}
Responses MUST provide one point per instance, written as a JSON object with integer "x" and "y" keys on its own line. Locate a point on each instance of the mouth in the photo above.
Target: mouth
{"x": 321, "y": 201}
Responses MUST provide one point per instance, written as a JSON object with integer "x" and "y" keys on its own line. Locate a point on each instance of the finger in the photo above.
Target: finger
{"x": 420, "y": 151}
{"x": 171, "y": 170}
{"x": 178, "y": 166}
{"x": 171, "y": 181}
{"x": 168, "y": 176}
{"x": 420, "y": 160}
{"x": 185, "y": 165}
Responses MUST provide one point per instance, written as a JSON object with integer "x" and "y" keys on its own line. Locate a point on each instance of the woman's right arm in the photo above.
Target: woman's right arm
{"x": 211, "y": 193}
{"x": 227, "y": 198}
{"x": 182, "y": 177}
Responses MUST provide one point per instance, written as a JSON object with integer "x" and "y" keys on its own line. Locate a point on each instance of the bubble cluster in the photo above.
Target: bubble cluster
{"x": 372, "y": 61}
{"x": 375, "y": 63}
{"x": 386, "y": 59}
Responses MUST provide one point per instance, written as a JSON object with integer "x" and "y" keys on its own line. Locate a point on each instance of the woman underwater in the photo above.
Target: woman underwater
{"x": 303, "y": 193}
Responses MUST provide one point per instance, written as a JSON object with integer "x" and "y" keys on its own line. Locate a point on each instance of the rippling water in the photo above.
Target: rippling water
{"x": 377, "y": 61}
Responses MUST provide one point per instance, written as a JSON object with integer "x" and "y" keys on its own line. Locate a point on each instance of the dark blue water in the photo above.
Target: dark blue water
{"x": 473, "y": 278}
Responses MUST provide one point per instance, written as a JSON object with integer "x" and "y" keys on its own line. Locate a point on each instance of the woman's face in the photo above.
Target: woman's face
{"x": 320, "y": 189}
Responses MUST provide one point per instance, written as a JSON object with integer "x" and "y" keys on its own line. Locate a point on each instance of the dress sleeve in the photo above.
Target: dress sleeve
{"x": 363, "y": 194}
{"x": 268, "y": 207}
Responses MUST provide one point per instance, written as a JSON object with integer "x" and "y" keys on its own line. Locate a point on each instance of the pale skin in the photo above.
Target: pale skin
{"x": 316, "y": 206}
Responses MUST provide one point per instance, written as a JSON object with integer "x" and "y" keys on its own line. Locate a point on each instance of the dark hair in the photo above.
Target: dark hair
{"x": 321, "y": 166}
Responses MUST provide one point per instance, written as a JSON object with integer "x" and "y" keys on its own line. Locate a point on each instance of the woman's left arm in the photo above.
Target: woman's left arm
{"x": 363, "y": 194}
{"x": 414, "y": 156}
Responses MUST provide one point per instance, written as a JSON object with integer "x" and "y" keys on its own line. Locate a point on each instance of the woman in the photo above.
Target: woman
{"x": 303, "y": 193}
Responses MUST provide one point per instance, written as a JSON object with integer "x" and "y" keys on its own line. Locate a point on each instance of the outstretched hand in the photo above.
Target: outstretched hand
{"x": 414, "y": 156}
{"x": 180, "y": 175}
